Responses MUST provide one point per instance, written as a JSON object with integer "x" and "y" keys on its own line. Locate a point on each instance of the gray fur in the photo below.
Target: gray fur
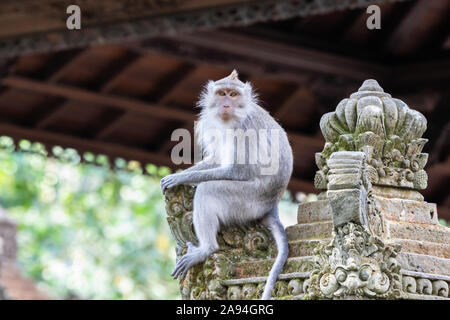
{"x": 236, "y": 193}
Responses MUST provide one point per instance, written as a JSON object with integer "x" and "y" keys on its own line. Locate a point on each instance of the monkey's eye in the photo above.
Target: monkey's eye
{"x": 221, "y": 93}
{"x": 233, "y": 94}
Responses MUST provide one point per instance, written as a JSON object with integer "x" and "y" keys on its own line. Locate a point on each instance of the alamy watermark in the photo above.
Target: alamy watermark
{"x": 73, "y": 21}
{"x": 228, "y": 147}
{"x": 374, "y": 20}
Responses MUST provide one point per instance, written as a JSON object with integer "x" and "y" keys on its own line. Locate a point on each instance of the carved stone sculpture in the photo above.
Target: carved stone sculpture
{"x": 369, "y": 236}
{"x": 385, "y": 129}
{"x": 355, "y": 264}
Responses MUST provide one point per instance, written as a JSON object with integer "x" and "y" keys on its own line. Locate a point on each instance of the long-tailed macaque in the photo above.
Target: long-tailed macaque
{"x": 235, "y": 182}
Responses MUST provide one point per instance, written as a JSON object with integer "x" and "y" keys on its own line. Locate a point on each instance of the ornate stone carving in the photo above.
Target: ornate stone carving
{"x": 440, "y": 288}
{"x": 179, "y": 215}
{"x": 382, "y": 127}
{"x": 355, "y": 264}
{"x": 409, "y": 284}
{"x": 236, "y": 244}
{"x": 252, "y": 241}
{"x": 422, "y": 285}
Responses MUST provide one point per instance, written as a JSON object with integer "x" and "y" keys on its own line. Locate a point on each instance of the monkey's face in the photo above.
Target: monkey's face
{"x": 228, "y": 103}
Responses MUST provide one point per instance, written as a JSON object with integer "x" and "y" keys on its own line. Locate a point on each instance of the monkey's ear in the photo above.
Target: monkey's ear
{"x": 207, "y": 95}
{"x": 234, "y": 75}
{"x": 250, "y": 94}
{"x": 210, "y": 86}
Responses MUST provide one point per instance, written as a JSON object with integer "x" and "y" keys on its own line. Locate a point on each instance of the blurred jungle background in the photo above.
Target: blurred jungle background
{"x": 86, "y": 231}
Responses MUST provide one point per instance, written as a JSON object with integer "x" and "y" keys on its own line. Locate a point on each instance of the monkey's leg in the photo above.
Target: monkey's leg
{"x": 206, "y": 225}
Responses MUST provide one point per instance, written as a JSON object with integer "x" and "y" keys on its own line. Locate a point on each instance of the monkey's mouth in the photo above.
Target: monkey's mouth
{"x": 226, "y": 116}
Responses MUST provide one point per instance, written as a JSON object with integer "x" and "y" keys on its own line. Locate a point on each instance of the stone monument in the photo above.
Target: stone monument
{"x": 370, "y": 234}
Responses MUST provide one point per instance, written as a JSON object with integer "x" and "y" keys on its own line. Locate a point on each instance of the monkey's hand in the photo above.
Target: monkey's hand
{"x": 171, "y": 181}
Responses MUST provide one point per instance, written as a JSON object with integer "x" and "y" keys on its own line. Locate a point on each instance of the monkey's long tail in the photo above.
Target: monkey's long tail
{"x": 274, "y": 224}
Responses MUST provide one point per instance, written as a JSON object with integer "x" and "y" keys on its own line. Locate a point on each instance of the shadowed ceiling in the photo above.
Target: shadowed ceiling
{"x": 124, "y": 99}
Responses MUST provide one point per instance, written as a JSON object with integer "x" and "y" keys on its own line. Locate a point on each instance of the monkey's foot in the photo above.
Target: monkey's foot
{"x": 193, "y": 256}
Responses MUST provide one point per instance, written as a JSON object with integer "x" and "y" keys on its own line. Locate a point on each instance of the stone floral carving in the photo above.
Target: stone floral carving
{"x": 382, "y": 127}
{"x": 440, "y": 288}
{"x": 424, "y": 286}
{"x": 355, "y": 264}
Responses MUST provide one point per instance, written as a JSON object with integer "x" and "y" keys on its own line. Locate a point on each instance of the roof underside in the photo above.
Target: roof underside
{"x": 125, "y": 99}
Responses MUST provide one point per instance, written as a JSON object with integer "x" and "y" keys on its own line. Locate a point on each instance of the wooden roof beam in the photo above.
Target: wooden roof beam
{"x": 446, "y": 44}
{"x": 122, "y": 103}
{"x": 255, "y": 55}
{"x": 165, "y": 87}
{"x": 434, "y": 74}
{"x": 82, "y": 95}
{"x": 84, "y": 145}
{"x": 414, "y": 29}
{"x": 115, "y": 71}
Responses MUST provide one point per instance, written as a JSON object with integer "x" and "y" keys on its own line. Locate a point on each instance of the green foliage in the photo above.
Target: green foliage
{"x": 85, "y": 230}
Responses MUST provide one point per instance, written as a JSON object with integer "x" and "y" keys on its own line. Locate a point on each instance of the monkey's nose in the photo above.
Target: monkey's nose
{"x": 226, "y": 106}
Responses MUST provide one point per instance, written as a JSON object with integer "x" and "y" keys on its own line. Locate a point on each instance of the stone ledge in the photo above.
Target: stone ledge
{"x": 441, "y": 250}
{"x": 261, "y": 268}
{"x": 314, "y": 211}
{"x": 415, "y": 296}
{"x": 420, "y": 232}
{"x": 416, "y": 285}
{"x": 408, "y": 210}
{"x": 424, "y": 263}
{"x": 282, "y": 276}
{"x": 301, "y": 248}
{"x": 425, "y": 275}
{"x": 396, "y": 193}
{"x": 313, "y": 230}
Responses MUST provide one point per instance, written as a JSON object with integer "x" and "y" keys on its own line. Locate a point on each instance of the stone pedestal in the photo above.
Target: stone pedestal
{"x": 370, "y": 235}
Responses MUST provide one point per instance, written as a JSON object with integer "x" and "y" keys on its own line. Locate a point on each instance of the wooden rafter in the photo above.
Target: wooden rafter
{"x": 296, "y": 64}
{"x": 84, "y": 145}
{"x": 173, "y": 80}
{"x": 113, "y": 73}
{"x": 82, "y": 95}
{"x": 67, "y": 65}
{"x": 446, "y": 43}
{"x": 125, "y": 104}
{"x": 164, "y": 88}
{"x": 424, "y": 15}
{"x": 280, "y": 111}
{"x": 110, "y": 127}
{"x": 255, "y": 54}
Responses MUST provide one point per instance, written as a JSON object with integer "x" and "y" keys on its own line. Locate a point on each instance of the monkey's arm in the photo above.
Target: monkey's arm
{"x": 202, "y": 165}
{"x": 234, "y": 172}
